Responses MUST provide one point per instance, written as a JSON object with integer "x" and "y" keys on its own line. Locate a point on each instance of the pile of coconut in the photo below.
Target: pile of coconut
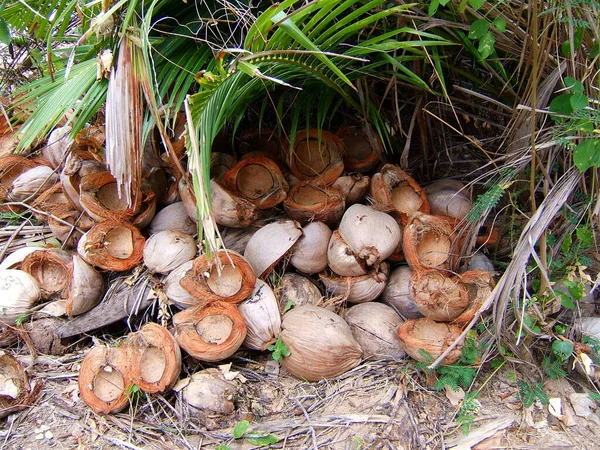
{"x": 327, "y": 252}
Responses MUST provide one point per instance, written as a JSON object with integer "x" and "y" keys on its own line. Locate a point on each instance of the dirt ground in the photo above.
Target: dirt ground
{"x": 378, "y": 405}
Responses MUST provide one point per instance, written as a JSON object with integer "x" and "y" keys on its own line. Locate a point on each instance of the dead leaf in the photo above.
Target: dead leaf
{"x": 455, "y": 397}
{"x": 584, "y": 406}
{"x": 555, "y": 407}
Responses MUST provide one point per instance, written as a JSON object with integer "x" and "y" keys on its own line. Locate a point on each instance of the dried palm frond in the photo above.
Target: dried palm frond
{"x": 124, "y": 115}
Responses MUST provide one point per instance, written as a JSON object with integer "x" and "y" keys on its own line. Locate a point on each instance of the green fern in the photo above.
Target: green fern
{"x": 465, "y": 416}
{"x": 530, "y": 392}
{"x": 553, "y": 368}
{"x": 486, "y": 202}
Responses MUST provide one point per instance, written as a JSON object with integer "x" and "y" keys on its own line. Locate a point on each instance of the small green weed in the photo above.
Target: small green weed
{"x": 279, "y": 350}
{"x": 530, "y": 392}
{"x": 240, "y": 431}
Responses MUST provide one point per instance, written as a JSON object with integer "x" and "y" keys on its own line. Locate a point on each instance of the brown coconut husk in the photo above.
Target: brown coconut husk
{"x": 363, "y": 148}
{"x": 230, "y": 209}
{"x": 10, "y": 168}
{"x": 104, "y": 379}
{"x": 425, "y": 340}
{"x": 479, "y": 285}
{"x": 85, "y": 289}
{"x": 427, "y": 241}
{"x": 393, "y": 190}
{"x": 438, "y": 296}
{"x": 112, "y": 245}
{"x": 354, "y": 187}
{"x": 51, "y": 269}
{"x": 69, "y": 235}
{"x": 316, "y": 154}
{"x": 210, "y": 332}
{"x": 155, "y": 358}
{"x": 258, "y": 180}
{"x": 16, "y": 393}
{"x": 49, "y": 202}
{"x": 311, "y": 200}
{"x": 231, "y": 283}
{"x": 359, "y": 289}
{"x": 99, "y": 198}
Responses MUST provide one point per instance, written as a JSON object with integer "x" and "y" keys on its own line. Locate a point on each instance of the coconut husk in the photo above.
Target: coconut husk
{"x": 209, "y": 393}
{"x": 372, "y": 235}
{"x": 104, "y": 379}
{"x": 438, "y": 296}
{"x": 77, "y": 165}
{"x": 69, "y": 235}
{"x": 398, "y": 295}
{"x": 100, "y": 199}
{"x": 49, "y": 202}
{"x": 427, "y": 242}
{"x": 449, "y": 203}
{"x": 112, "y": 245}
{"x": 85, "y": 289}
{"x": 316, "y": 153}
{"x": 51, "y": 269}
{"x": 360, "y": 289}
{"x": 231, "y": 283}
{"x": 309, "y": 253}
{"x": 10, "y": 168}
{"x": 425, "y": 340}
{"x": 167, "y": 250}
{"x": 31, "y": 183}
{"x": 19, "y": 292}
{"x": 210, "y": 332}
{"x": 220, "y": 163}
{"x": 16, "y": 393}
{"x": 261, "y": 141}
{"x": 173, "y": 217}
{"x": 261, "y": 314}
{"x": 342, "y": 260}
{"x": 479, "y": 285}
{"x": 177, "y": 294}
{"x": 270, "y": 244}
{"x": 297, "y": 290}
{"x": 155, "y": 358}
{"x": 311, "y": 200}
{"x": 374, "y": 326}
{"x": 229, "y": 209}
{"x": 354, "y": 187}
{"x": 363, "y": 148}
{"x": 258, "y": 180}
{"x": 320, "y": 342}
{"x": 393, "y": 190}
{"x": 57, "y": 146}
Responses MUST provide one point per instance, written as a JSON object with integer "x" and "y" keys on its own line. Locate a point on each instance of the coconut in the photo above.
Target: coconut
{"x": 32, "y": 182}
{"x": 297, "y": 290}
{"x": 374, "y": 326}
{"x": 112, "y": 245}
{"x": 354, "y": 187}
{"x": 364, "y": 288}
{"x": 86, "y": 287}
{"x": 270, "y": 244}
{"x": 173, "y": 289}
{"x": 320, "y": 342}
{"x": 10, "y": 168}
{"x": 438, "y": 296}
{"x": 427, "y": 242}
{"x": 210, "y": 332}
{"x": 426, "y": 340}
{"x": 450, "y": 203}
{"x": 363, "y": 148}
{"x": 261, "y": 313}
{"x": 309, "y": 254}
{"x": 229, "y": 209}
{"x": 479, "y": 285}
{"x": 155, "y": 358}
{"x": 57, "y": 145}
{"x": 394, "y": 190}
{"x": 16, "y": 393}
{"x": 209, "y": 392}
{"x": 166, "y": 250}
{"x": 19, "y": 292}
{"x": 232, "y": 282}
{"x": 69, "y": 235}
{"x": 341, "y": 258}
{"x": 258, "y": 180}
{"x": 372, "y": 235}
{"x": 51, "y": 269}
{"x": 398, "y": 295}
{"x": 104, "y": 379}
{"x": 173, "y": 217}
{"x": 312, "y": 200}
{"x": 316, "y": 153}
